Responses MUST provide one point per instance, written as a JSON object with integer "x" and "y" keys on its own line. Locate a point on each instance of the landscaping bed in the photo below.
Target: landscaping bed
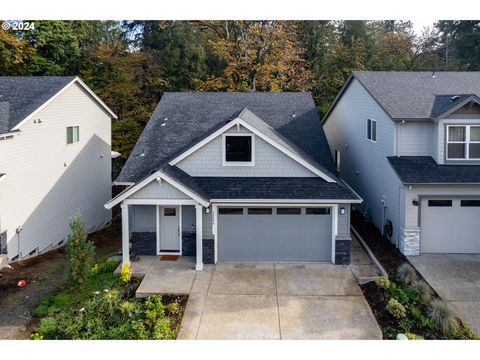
{"x": 404, "y": 303}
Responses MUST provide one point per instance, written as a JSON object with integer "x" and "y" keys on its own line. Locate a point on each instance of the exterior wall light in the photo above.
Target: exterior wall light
{"x": 207, "y": 210}
{"x": 415, "y": 202}
{"x": 342, "y": 210}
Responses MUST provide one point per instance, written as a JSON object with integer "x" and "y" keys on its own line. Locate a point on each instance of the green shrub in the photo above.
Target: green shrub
{"x": 383, "y": 282}
{"x": 406, "y": 273}
{"x": 411, "y": 336}
{"x": 444, "y": 317}
{"x": 395, "y": 308}
{"x": 81, "y": 253}
{"x": 126, "y": 273}
{"x": 108, "y": 266}
{"x": 423, "y": 290}
{"x": 36, "y": 336}
{"x": 402, "y": 295}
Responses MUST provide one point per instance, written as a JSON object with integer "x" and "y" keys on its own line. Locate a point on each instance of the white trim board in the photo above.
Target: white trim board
{"x": 239, "y": 121}
{"x": 83, "y": 85}
{"x": 238, "y": 163}
{"x": 276, "y": 202}
{"x": 158, "y": 174}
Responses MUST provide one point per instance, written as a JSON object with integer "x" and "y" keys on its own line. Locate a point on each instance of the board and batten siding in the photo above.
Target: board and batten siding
{"x": 156, "y": 190}
{"x": 343, "y": 231}
{"x": 48, "y": 180}
{"x": 269, "y": 161}
{"x": 364, "y": 164}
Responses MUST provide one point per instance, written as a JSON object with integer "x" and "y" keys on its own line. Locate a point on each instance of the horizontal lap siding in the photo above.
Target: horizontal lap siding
{"x": 416, "y": 139}
{"x": 364, "y": 164}
{"x": 48, "y": 180}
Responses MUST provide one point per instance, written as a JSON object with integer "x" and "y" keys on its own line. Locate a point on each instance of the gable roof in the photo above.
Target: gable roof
{"x": 446, "y": 104}
{"x": 21, "y": 96}
{"x": 411, "y": 95}
{"x": 424, "y": 170}
{"x": 181, "y": 120}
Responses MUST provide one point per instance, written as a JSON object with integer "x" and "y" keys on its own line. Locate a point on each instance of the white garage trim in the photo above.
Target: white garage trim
{"x": 280, "y": 202}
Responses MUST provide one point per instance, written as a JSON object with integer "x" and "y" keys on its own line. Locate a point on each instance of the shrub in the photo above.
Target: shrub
{"x": 395, "y": 308}
{"x": 423, "y": 290}
{"x": 411, "y": 336}
{"x": 36, "y": 336}
{"x": 81, "y": 253}
{"x": 108, "y": 266}
{"x": 126, "y": 273}
{"x": 444, "y": 317}
{"x": 402, "y": 295}
{"x": 406, "y": 273}
{"x": 383, "y": 282}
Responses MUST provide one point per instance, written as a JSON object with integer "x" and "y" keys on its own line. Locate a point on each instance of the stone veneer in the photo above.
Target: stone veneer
{"x": 409, "y": 244}
{"x": 189, "y": 247}
{"x": 342, "y": 251}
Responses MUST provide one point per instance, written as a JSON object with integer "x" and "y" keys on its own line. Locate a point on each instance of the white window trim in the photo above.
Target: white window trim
{"x": 371, "y": 121}
{"x": 466, "y": 143}
{"x": 73, "y": 127}
{"x": 237, "y": 163}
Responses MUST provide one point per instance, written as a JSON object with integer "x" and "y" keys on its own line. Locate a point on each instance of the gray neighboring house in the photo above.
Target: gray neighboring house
{"x": 409, "y": 144}
{"x": 54, "y": 159}
{"x": 235, "y": 177}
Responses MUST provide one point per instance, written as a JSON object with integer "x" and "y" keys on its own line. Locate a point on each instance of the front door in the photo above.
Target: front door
{"x": 169, "y": 229}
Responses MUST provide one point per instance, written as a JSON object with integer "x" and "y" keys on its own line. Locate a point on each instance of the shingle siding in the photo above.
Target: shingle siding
{"x": 154, "y": 190}
{"x": 48, "y": 180}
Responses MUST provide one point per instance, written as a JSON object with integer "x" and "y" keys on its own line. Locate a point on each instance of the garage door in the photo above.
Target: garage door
{"x": 281, "y": 234}
{"x": 450, "y": 226}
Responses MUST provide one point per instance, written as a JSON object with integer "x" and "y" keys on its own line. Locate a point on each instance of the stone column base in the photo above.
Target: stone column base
{"x": 409, "y": 244}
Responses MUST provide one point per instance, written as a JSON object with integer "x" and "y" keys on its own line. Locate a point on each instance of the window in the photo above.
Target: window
{"x": 337, "y": 159}
{"x": 73, "y": 134}
{"x": 463, "y": 142}
{"x": 289, "y": 211}
{"x": 230, "y": 211}
{"x": 318, "y": 211}
{"x": 470, "y": 203}
{"x": 372, "y": 130}
{"x": 238, "y": 149}
{"x": 259, "y": 211}
{"x": 169, "y": 212}
{"x": 440, "y": 203}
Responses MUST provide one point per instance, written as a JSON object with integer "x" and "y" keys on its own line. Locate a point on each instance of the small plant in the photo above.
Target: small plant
{"x": 36, "y": 336}
{"x": 126, "y": 273}
{"x": 383, "y": 282}
{"x": 444, "y": 317}
{"x": 395, "y": 308}
{"x": 411, "y": 336}
{"x": 81, "y": 253}
{"x": 105, "y": 267}
{"x": 423, "y": 290}
{"x": 406, "y": 273}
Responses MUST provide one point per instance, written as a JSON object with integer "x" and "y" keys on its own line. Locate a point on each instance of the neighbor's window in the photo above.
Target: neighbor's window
{"x": 372, "y": 130}
{"x": 463, "y": 142}
{"x": 230, "y": 211}
{"x": 440, "y": 203}
{"x": 337, "y": 159}
{"x": 259, "y": 211}
{"x": 73, "y": 134}
{"x": 289, "y": 211}
{"x": 238, "y": 149}
{"x": 317, "y": 211}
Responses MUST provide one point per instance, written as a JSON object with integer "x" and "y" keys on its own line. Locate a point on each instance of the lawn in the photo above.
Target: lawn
{"x": 404, "y": 303}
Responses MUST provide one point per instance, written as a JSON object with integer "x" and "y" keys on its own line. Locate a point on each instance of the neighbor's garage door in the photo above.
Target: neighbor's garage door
{"x": 450, "y": 226}
{"x": 282, "y": 234}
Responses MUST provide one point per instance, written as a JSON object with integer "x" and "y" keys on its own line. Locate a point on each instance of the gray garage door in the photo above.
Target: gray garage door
{"x": 450, "y": 226}
{"x": 281, "y": 234}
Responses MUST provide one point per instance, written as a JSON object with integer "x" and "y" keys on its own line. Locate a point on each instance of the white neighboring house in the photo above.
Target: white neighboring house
{"x": 55, "y": 158}
{"x": 409, "y": 144}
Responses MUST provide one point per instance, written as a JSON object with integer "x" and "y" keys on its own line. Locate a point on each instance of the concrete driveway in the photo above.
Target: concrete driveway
{"x": 265, "y": 300}
{"x": 456, "y": 278}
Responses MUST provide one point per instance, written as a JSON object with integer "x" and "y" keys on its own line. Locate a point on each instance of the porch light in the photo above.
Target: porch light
{"x": 415, "y": 202}
{"x": 342, "y": 210}
{"x": 207, "y": 210}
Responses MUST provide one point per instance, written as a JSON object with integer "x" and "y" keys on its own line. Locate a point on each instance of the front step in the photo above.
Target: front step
{"x": 3, "y": 261}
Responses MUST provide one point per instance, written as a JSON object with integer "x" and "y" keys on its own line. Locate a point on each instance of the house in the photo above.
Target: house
{"x": 235, "y": 177}
{"x": 54, "y": 159}
{"x": 409, "y": 144}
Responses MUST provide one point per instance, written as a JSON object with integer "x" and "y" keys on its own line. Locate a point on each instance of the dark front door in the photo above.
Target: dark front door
{"x": 3, "y": 243}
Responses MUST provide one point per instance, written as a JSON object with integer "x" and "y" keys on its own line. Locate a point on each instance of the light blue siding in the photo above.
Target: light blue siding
{"x": 155, "y": 190}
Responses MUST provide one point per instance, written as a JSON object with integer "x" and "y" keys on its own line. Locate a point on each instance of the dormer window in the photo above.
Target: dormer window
{"x": 463, "y": 142}
{"x": 238, "y": 149}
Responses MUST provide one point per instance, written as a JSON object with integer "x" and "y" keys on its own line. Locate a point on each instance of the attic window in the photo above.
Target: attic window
{"x": 238, "y": 149}
{"x": 73, "y": 134}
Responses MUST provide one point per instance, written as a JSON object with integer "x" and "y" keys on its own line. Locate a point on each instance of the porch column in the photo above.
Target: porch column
{"x": 125, "y": 235}
{"x": 199, "y": 230}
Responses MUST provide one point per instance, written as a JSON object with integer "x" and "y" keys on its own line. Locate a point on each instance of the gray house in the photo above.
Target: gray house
{"x": 409, "y": 144}
{"x": 235, "y": 177}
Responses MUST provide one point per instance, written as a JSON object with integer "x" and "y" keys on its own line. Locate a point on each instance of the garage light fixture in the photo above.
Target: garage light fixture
{"x": 415, "y": 202}
{"x": 207, "y": 210}
{"x": 342, "y": 210}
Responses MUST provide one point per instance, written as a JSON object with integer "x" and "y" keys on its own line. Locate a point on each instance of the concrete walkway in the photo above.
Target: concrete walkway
{"x": 264, "y": 300}
{"x": 456, "y": 278}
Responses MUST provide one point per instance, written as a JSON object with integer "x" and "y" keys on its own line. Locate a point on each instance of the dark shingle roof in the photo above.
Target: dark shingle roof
{"x": 273, "y": 188}
{"x": 411, "y": 95}
{"x": 424, "y": 170}
{"x": 189, "y": 117}
{"x": 22, "y": 95}
{"x": 446, "y": 103}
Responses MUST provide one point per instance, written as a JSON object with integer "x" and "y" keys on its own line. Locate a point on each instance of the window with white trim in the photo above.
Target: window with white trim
{"x": 463, "y": 142}
{"x": 73, "y": 134}
{"x": 372, "y": 130}
{"x": 238, "y": 149}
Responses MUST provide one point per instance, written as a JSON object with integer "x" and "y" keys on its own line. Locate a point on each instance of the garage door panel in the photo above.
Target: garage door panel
{"x": 454, "y": 229}
{"x": 274, "y": 237}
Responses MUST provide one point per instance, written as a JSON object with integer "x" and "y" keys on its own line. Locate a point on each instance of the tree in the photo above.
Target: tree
{"x": 81, "y": 253}
{"x": 14, "y": 54}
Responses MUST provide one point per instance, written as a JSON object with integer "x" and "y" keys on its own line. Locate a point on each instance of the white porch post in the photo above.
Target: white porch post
{"x": 125, "y": 235}
{"x": 199, "y": 264}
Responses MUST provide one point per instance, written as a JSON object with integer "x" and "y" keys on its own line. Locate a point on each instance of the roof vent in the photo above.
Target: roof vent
{"x": 454, "y": 98}
{"x": 293, "y": 114}
{"x": 164, "y": 122}
{"x": 142, "y": 153}
{"x": 433, "y": 74}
